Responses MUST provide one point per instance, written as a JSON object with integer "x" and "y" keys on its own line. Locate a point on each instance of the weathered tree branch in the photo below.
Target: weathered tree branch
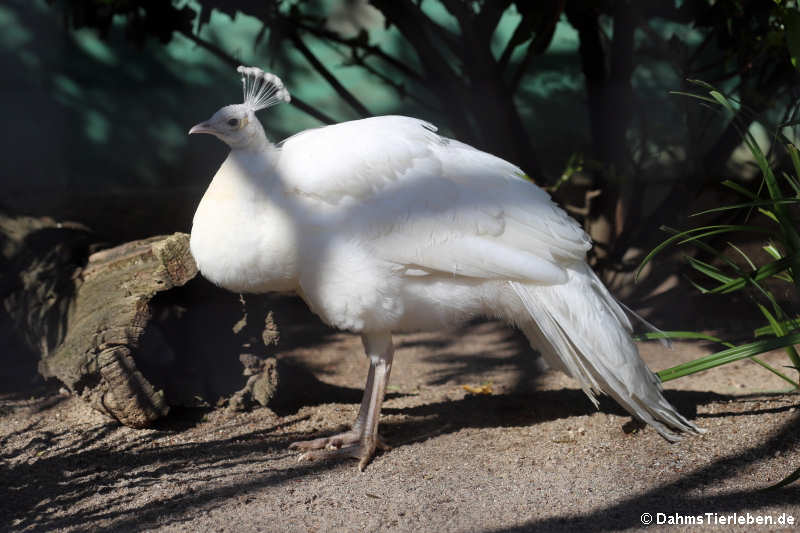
{"x": 337, "y": 86}
{"x": 607, "y": 74}
{"x": 356, "y": 44}
{"x": 116, "y": 328}
{"x": 410, "y": 21}
{"x": 544, "y": 32}
{"x": 221, "y": 54}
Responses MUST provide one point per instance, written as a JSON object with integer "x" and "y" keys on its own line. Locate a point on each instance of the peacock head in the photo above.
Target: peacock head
{"x": 236, "y": 125}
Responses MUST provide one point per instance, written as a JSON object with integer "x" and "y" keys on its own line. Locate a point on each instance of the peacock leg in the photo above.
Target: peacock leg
{"x": 362, "y": 440}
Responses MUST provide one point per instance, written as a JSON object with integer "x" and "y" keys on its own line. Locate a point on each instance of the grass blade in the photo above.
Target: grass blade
{"x": 718, "y": 96}
{"x": 777, "y": 372}
{"x": 744, "y": 255}
{"x": 709, "y": 270}
{"x": 738, "y": 188}
{"x": 728, "y": 356}
{"x": 759, "y": 203}
{"x": 693, "y": 95}
{"x": 795, "y": 157}
{"x": 786, "y": 325}
{"x": 685, "y": 335}
{"x": 763, "y": 272}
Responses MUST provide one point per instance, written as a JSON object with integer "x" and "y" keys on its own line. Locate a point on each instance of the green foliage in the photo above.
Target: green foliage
{"x": 790, "y": 17}
{"x": 776, "y": 199}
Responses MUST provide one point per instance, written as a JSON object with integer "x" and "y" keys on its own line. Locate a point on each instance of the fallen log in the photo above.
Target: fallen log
{"x": 132, "y": 329}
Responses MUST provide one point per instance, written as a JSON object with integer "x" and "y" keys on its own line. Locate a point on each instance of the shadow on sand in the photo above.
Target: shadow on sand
{"x": 78, "y": 464}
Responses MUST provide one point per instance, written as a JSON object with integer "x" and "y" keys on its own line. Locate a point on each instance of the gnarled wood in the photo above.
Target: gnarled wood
{"x": 109, "y": 317}
{"x": 122, "y": 329}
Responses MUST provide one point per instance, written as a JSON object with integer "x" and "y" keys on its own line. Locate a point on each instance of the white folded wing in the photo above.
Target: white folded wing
{"x": 431, "y": 204}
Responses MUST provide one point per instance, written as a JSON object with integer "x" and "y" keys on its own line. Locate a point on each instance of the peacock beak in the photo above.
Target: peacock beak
{"x": 203, "y": 127}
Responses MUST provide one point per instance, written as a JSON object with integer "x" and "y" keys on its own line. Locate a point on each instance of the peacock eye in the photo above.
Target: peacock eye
{"x": 233, "y": 122}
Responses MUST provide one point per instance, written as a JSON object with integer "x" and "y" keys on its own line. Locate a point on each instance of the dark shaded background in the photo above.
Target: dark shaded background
{"x": 99, "y": 95}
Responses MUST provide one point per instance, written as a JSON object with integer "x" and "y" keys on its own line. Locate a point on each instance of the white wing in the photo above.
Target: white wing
{"x": 431, "y": 204}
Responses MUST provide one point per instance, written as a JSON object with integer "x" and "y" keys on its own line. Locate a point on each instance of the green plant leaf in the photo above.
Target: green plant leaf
{"x": 708, "y": 270}
{"x": 693, "y": 95}
{"x": 770, "y": 215}
{"x": 728, "y": 356}
{"x": 775, "y": 371}
{"x": 686, "y": 335}
{"x": 701, "y": 83}
{"x": 793, "y": 183}
{"x": 770, "y": 200}
{"x": 773, "y": 251}
{"x": 795, "y": 157}
{"x": 738, "y": 188}
{"x": 759, "y": 203}
{"x": 786, "y": 325}
{"x": 744, "y": 255}
{"x": 688, "y": 236}
{"x": 791, "y": 20}
{"x": 763, "y": 272}
{"x": 720, "y": 98}
{"x": 775, "y": 326}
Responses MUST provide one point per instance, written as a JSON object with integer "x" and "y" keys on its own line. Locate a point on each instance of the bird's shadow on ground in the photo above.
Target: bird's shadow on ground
{"x": 32, "y": 490}
{"x": 72, "y": 466}
{"x": 92, "y": 461}
{"x": 521, "y": 403}
{"x": 80, "y": 469}
{"x": 677, "y": 498}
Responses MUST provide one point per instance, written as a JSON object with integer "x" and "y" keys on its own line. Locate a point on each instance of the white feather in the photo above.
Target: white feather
{"x": 381, "y": 225}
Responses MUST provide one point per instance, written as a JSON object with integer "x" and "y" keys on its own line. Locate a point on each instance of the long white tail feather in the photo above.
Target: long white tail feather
{"x": 580, "y": 328}
{"x": 664, "y": 340}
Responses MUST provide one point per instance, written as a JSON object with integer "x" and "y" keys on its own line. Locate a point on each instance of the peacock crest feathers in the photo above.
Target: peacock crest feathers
{"x": 261, "y": 89}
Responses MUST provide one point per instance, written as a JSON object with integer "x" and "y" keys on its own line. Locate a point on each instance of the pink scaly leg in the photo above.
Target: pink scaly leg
{"x": 362, "y": 440}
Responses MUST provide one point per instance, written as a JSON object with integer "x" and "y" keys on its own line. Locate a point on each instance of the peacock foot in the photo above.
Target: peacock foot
{"x": 348, "y": 444}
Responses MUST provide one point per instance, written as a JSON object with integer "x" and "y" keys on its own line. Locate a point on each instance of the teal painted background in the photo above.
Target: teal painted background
{"x": 96, "y": 126}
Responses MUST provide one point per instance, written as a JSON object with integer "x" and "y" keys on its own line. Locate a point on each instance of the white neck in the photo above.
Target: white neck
{"x": 254, "y": 138}
{"x": 243, "y": 238}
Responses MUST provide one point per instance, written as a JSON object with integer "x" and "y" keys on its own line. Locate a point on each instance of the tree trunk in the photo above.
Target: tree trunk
{"x": 122, "y": 329}
{"x": 607, "y": 71}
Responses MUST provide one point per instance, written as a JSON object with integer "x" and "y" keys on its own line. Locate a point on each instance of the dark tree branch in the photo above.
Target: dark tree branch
{"x": 522, "y": 68}
{"x": 340, "y": 89}
{"x": 463, "y": 14}
{"x": 410, "y": 21}
{"x": 489, "y": 17}
{"x": 521, "y": 34}
{"x": 544, "y": 29}
{"x": 709, "y": 37}
{"x": 622, "y": 43}
{"x": 607, "y": 71}
{"x": 454, "y": 42}
{"x": 498, "y": 127}
{"x": 310, "y": 110}
{"x": 593, "y": 62}
{"x": 666, "y": 9}
{"x": 356, "y": 44}
{"x": 400, "y": 88}
{"x": 229, "y": 59}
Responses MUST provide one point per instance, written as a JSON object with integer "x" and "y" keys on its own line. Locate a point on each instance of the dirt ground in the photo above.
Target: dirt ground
{"x": 529, "y": 454}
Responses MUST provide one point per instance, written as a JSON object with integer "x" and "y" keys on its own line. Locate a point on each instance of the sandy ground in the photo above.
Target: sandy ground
{"x": 532, "y": 454}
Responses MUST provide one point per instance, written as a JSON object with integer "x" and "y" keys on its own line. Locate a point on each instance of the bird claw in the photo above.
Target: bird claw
{"x": 350, "y": 444}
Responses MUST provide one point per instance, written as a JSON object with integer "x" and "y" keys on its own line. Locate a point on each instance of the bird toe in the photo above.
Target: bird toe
{"x": 344, "y": 445}
{"x": 333, "y": 442}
